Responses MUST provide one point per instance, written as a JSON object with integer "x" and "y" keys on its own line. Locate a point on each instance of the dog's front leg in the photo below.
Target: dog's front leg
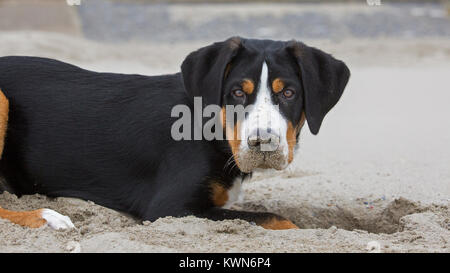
{"x": 37, "y": 218}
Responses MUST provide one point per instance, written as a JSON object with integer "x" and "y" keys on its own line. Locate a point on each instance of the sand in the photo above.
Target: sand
{"x": 376, "y": 175}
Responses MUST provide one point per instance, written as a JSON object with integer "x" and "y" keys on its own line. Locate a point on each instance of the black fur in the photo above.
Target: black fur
{"x": 324, "y": 79}
{"x": 106, "y": 137}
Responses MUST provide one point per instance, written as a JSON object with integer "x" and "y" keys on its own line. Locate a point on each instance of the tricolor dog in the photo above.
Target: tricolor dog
{"x": 69, "y": 132}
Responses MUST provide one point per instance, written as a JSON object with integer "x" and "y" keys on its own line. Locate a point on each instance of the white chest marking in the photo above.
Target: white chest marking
{"x": 235, "y": 194}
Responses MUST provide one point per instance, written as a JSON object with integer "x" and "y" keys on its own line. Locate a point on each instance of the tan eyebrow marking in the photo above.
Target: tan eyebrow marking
{"x": 277, "y": 85}
{"x": 248, "y": 86}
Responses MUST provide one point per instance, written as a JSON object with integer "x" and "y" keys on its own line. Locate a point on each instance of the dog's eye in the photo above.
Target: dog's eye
{"x": 239, "y": 93}
{"x": 288, "y": 93}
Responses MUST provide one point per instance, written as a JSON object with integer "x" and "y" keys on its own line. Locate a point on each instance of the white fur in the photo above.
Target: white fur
{"x": 234, "y": 194}
{"x": 56, "y": 220}
{"x": 265, "y": 115}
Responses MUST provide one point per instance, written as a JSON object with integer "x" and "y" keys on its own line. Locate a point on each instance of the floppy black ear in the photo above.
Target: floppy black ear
{"x": 324, "y": 79}
{"x": 204, "y": 70}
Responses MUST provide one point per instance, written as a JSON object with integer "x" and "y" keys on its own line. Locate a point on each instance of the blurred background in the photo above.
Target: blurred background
{"x": 388, "y": 135}
{"x": 118, "y": 21}
{"x": 171, "y": 23}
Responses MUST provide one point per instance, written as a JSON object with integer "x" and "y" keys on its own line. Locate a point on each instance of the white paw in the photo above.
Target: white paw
{"x": 56, "y": 220}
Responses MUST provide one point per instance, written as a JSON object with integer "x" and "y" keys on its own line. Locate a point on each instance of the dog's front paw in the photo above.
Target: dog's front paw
{"x": 55, "y": 220}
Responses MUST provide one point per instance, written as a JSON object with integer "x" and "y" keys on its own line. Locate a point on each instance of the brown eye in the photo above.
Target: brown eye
{"x": 288, "y": 93}
{"x": 238, "y": 93}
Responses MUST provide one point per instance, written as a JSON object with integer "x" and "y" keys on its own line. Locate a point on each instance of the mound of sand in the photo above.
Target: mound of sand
{"x": 398, "y": 226}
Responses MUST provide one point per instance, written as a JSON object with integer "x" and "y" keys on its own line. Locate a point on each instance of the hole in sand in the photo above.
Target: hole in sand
{"x": 350, "y": 216}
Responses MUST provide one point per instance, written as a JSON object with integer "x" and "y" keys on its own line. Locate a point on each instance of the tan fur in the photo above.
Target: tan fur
{"x": 31, "y": 219}
{"x": 232, "y": 135}
{"x": 291, "y": 140}
{"x": 276, "y": 224}
{"x": 219, "y": 194}
{"x": 248, "y": 86}
{"x": 234, "y": 141}
{"x": 4, "y": 110}
{"x": 223, "y": 115}
{"x": 291, "y": 134}
{"x": 277, "y": 85}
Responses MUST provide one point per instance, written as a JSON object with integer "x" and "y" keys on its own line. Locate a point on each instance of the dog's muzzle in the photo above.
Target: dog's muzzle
{"x": 263, "y": 141}
{"x": 263, "y": 151}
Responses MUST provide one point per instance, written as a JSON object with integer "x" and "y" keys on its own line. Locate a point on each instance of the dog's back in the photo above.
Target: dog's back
{"x": 81, "y": 124}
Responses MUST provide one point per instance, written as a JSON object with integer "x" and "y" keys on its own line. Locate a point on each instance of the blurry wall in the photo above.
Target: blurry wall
{"x": 116, "y": 21}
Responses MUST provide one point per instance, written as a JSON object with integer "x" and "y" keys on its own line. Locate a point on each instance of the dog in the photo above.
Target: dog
{"x": 104, "y": 137}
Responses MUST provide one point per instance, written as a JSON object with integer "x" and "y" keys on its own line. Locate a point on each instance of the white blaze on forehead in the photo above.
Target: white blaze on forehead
{"x": 265, "y": 115}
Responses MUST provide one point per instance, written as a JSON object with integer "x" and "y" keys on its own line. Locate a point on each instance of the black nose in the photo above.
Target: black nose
{"x": 263, "y": 141}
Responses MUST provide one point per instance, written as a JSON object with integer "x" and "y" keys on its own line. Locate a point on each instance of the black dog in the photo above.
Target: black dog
{"x": 107, "y": 137}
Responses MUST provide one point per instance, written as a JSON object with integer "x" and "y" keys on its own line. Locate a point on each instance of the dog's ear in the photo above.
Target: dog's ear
{"x": 324, "y": 79}
{"x": 204, "y": 70}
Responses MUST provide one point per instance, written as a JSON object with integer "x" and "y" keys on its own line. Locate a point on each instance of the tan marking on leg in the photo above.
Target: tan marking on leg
{"x": 277, "y": 85}
{"x": 219, "y": 194}
{"x": 278, "y": 224}
{"x": 4, "y": 110}
{"x": 32, "y": 219}
{"x": 248, "y": 86}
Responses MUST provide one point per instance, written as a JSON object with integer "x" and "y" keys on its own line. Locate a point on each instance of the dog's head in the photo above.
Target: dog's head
{"x": 280, "y": 84}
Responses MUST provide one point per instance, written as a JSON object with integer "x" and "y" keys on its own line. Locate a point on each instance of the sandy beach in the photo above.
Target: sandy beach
{"x": 378, "y": 170}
